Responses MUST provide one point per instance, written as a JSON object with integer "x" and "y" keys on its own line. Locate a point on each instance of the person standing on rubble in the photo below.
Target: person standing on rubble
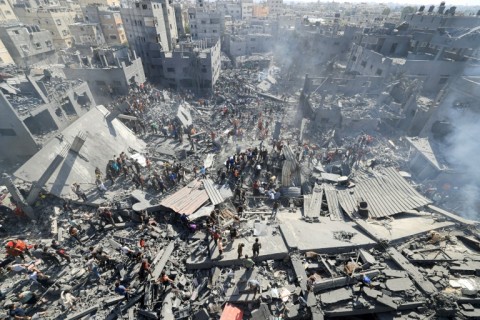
{"x": 254, "y": 286}
{"x": 79, "y": 192}
{"x": 220, "y": 247}
{"x": 122, "y": 290}
{"x": 49, "y": 258}
{"x": 92, "y": 266}
{"x": 248, "y": 263}
{"x": 240, "y": 250}
{"x": 144, "y": 271}
{"x": 17, "y": 248}
{"x": 107, "y": 216}
{"x": 274, "y": 210}
{"x": 165, "y": 280}
{"x": 74, "y": 234}
{"x": 136, "y": 164}
{"x": 256, "y": 248}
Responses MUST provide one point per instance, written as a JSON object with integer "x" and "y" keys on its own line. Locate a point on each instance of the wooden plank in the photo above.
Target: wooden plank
{"x": 425, "y": 286}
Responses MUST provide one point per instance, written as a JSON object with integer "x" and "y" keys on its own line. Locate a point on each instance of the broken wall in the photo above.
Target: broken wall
{"x": 15, "y": 139}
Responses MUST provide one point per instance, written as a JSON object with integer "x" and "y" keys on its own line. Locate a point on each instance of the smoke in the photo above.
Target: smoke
{"x": 463, "y": 153}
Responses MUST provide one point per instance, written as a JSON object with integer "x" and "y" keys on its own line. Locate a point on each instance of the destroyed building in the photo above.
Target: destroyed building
{"x": 44, "y": 104}
{"x": 87, "y": 34}
{"x": 420, "y": 52}
{"x": 110, "y": 21}
{"x": 288, "y": 186}
{"x": 55, "y": 19}
{"x": 151, "y": 29}
{"x": 28, "y": 45}
{"x": 5, "y": 57}
{"x": 109, "y": 72}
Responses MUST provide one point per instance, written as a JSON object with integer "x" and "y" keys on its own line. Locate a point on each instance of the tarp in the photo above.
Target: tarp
{"x": 231, "y": 312}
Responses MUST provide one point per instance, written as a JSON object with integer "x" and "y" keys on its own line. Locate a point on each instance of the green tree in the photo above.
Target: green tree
{"x": 407, "y": 10}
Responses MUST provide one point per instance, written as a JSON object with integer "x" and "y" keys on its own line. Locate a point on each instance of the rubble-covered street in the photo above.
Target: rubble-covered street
{"x": 230, "y": 207}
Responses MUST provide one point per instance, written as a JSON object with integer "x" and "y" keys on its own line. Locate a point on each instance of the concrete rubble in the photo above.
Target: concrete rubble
{"x": 262, "y": 200}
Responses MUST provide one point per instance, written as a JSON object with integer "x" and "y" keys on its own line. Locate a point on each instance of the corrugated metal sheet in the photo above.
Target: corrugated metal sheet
{"x": 387, "y": 194}
{"x": 312, "y": 204}
{"x": 333, "y": 204}
{"x": 290, "y": 169}
{"x": 188, "y": 199}
{"x": 212, "y": 191}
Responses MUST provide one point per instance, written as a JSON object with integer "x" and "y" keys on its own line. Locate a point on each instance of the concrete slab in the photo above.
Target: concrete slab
{"x": 104, "y": 139}
{"x": 399, "y": 284}
{"x": 319, "y": 237}
{"x": 403, "y": 227}
{"x": 273, "y": 248}
{"x": 336, "y": 296}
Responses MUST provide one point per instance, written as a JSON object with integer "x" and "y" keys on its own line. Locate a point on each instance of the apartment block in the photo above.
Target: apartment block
{"x": 27, "y": 45}
{"x": 54, "y": 19}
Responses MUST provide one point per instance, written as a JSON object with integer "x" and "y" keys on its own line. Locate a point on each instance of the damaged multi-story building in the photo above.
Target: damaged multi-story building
{"x": 54, "y": 18}
{"x": 152, "y": 32}
{"x": 37, "y": 105}
{"x": 28, "y": 44}
{"x": 110, "y": 21}
{"x": 434, "y": 51}
{"x": 109, "y": 72}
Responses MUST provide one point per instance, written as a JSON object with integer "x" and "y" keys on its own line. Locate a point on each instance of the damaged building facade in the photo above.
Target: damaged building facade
{"x": 44, "y": 104}
{"x": 154, "y": 37}
{"x": 28, "y": 45}
{"x": 108, "y": 72}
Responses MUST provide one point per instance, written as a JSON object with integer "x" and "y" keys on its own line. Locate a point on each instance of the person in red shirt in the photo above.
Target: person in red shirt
{"x": 144, "y": 271}
{"x": 17, "y": 248}
{"x": 142, "y": 243}
{"x": 165, "y": 280}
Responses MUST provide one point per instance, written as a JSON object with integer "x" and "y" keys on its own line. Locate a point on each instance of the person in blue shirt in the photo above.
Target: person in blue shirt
{"x": 121, "y": 290}
{"x": 17, "y": 313}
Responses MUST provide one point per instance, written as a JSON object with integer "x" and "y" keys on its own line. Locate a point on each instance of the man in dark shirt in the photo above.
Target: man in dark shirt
{"x": 256, "y": 248}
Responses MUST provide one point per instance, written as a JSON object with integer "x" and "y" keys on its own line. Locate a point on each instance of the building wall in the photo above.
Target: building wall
{"x": 250, "y": 44}
{"x": 150, "y": 28}
{"x": 5, "y": 57}
{"x": 15, "y": 139}
{"x": 61, "y": 111}
{"x": 181, "y": 16}
{"x": 247, "y": 9}
{"x": 260, "y": 11}
{"x": 230, "y": 8}
{"x": 198, "y": 72}
{"x": 118, "y": 79}
{"x": 432, "y": 22}
{"x": 110, "y": 21}
{"x": 6, "y": 12}
{"x": 108, "y": 3}
{"x": 368, "y": 62}
{"x": 87, "y": 34}
{"x": 434, "y": 73}
{"x": 205, "y": 24}
{"x": 55, "y": 20}
{"x": 27, "y": 45}
{"x": 275, "y": 7}
{"x": 112, "y": 27}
